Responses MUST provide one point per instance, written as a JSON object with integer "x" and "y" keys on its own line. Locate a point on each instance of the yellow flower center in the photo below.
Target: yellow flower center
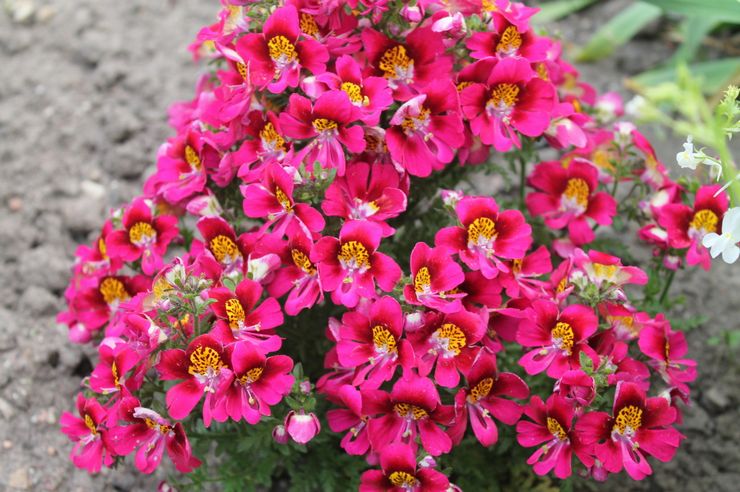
{"x": 114, "y": 372}
{"x": 322, "y": 125}
{"x": 577, "y": 190}
{"x": 271, "y": 137}
{"x": 161, "y": 288}
{"x": 453, "y": 336}
{"x": 509, "y": 42}
{"x": 705, "y": 220}
{"x": 163, "y": 429}
{"x": 283, "y": 199}
{"x": 383, "y": 339}
{"x": 243, "y": 71}
{"x": 504, "y": 96}
{"x": 354, "y": 252}
{"x": 480, "y": 390}
{"x": 604, "y": 271}
{"x": 562, "y": 285}
{"x": 141, "y": 232}
{"x": 628, "y": 418}
{"x": 463, "y": 85}
{"x": 90, "y": 424}
{"x": 395, "y": 61}
{"x": 422, "y": 280}
{"x": 204, "y": 358}
{"x": 481, "y": 230}
{"x": 516, "y": 266}
{"x": 102, "y": 248}
{"x": 113, "y": 290}
{"x": 224, "y": 248}
{"x": 407, "y": 410}
{"x": 402, "y": 479}
{"x": 234, "y": 312}
{"x": 308, "y": 25}
{"x": 354, "y": 92}
{"x": 301, "y": 260}
{"x": 415, "y": 123}
{"x": 601, "y": 158}
{"x": 562, "y": 336}
{"x": 192, "y": 158}
{"x": 541, "y": 70}
{"x": 281, "y": 49}
{"x": 252, "y": 375}
{"x": 556, "y": 429}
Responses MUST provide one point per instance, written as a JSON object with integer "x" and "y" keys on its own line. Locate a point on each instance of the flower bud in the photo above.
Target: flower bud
{"x": 302, "y": 427}
{"x": 279, "y": 434}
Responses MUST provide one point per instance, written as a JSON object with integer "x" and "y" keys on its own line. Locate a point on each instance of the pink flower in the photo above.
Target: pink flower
{"x": 275, "y": 56}
{"x": 202, "y": 369}
{"x": 92, "y": 446}
{"x": 111, "y": 373}
{"x": 552, "y": 425}
{"x": 400, "y": 472}
{"x": 606, "y": 272}
{"x": 143, "y": 237}
{"x": 407, "y": 66}
{"x": 667, "y": 349}
{"x": 638, "y": 426}
{"x": 94, "y": 260}
{"x": 241, "y": 318}
{"x": 350, "y": 266}
{"x": 327, "y": 125}
{"x": 372, "y": 343}
{"x": 435, "y": 277}
{"x": 412, "y": 407}
{"x": 356, "y": 442}
{"x": 151, "y": 434}
{"x": 299, "y": 276}
{"x": 426, "y": 130}
{"x": 302, "y": 427}
{"x": 220, "y": 240}
{"x": 519, "y": 279}
{"x": 256, "y": 383}
{"x": 559, "y": 337}
{"x": 366, "y": 192}
{"x": 507, "y": 97}
{"x": 577, "y": 387}
{"x": 508, "y": 39}
{"x": 272, "y": 199}
{"x": 448, "y": 340}
{"x": 98, "y": 304}
{"x": 567, "y": 196}
{"x": 267, "y": 145}
{"x": 482, "y": 400}
{"x": 486, "y": 235}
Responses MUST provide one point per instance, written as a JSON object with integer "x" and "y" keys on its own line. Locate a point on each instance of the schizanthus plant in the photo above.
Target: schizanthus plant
{"x": 298, "y": 214}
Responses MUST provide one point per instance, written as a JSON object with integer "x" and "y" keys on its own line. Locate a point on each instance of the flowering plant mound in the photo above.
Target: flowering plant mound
{"x": 351, "y": 267}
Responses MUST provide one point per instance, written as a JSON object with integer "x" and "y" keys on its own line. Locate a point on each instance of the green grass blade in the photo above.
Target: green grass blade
{"x": 715, "y": 75}
{"x": 618, "y": 31}
{"x": 552, "y": 11}
{"x": 727, "y": 10}
{"x": 693, "y": 31}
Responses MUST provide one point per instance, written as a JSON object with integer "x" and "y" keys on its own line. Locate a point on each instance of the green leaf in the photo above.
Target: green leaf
{"x": 727, "y": 10}
{"x": 693, "y": 32}
{"x": 552, "y": 11}
{"x": 715, "y": 74}
{"x": 618, "y": 31}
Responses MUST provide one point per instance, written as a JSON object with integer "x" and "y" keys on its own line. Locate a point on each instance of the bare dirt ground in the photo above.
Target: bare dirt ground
{"x": 84, "y": 88}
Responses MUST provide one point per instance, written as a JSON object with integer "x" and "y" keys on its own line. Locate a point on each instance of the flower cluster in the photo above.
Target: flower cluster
{"x": 294, "y": 183}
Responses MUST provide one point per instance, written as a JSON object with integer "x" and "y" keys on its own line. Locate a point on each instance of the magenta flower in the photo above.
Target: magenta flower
{"x": 520, "y": 279}
{"x": 508, "y": 39}
{"x": 366, "y": 192}
{"x": 567, "y": 196}
{"x": 400, "y": 472}
{"x": 92, "y": 446}
{"x": 559, "y": 337}
{"x": 447, "y": 340}
{"x": 96, "y": 305}
{"x": 552, "y": 428}
{"x": 202, "y": 369}
{"x": 667, "y": 350}
{"x": 486, "y": 235}
{"x": 638, "y": 426}
{"x": 143, "y": 237}
{"x": 607, "y": 273}
{"x": 272, "y": 199}
{"x": 577, "y": 387}
{"x": 372, "y": 343}
{"x": 299, "y": 276}
{"x": 435, "y": 280}
{"x": 426, "y": 130}
{"x": 350, "y": 266}
{"x": 327, "y": 125}
{"x": 482, "y": 400}
{"x": 111, "y": 374}
{"x": 356, "y": 442}
{"x": 256, "y": 383}
{"x": 220, "y": 240}
{"x": 507, "y": 97}
{"x": 302, "y": 427}
{"x": 151, "y": 434}
{"x": 413, "y": 407}
{"x": 93, "y": 259}
{"x": 240, "y": 318}
{"x": 274, "y": 57}
{"x": 267, "y": 145}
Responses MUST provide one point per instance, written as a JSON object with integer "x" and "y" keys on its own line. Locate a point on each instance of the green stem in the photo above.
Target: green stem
{"x": 522, "y": 181}
{"x": 729, "y": 172}
{"x": 667, "y": 286}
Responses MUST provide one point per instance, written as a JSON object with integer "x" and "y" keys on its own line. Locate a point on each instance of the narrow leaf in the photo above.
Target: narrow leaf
{"x": 727, "y": 10}
{"x": 715, "y": 75}
{"x": 693, "y": 31}
{"x": 552, "y": 11}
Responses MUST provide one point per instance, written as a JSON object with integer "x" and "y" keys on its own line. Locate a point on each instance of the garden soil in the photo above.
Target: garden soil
{"x": 84, "y": 90}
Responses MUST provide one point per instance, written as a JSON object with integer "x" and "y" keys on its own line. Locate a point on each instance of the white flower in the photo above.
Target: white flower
{"x": 687, "y": 158}
{"x": 727, "y": 242}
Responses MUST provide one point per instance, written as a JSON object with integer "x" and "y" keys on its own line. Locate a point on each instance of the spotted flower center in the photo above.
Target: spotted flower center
{"x": 383, "y": 340}
{"x": 90, "y": 424}
{"x": 402, "y": 479}
{"x": 554, "y": 427}
{"x": 396, "y": 63}
{"x": 114, "y": 373}
{"x": 161, "y": 287}
{"x": 463, "y": 85}
{"x": 161, "y": 428}
{"x": 704, "y": 220}
{"x": 410, "y": 411}
{"x": 577, "y": 192}
{"x": 205, "y": 360}
{"x": 416, "y": 123}
{"x": 113, "y": 291}
{"x": 224, "y": 249}
{"x": 281, "y": 50}
{"x": 354, "y": 92}
{"x": 142, "y": 233}
{"x": 562, "y": 285}
{"x": 504, "y": 96}
{"x": 102, "y": 248}
{"x": 252, "y": 375}
{"x": 271, "y": 138}
{"x": 481, "y": 231}
{"x": 541, "y": 70}
{"x": 563, "y": 337}
{"x": 323, "y": 125}
{"x": 308, "y": 25}
{"x": 234, "y": 312}
{"x": 480, "y": 390}
{"x": 192, "y": 158}
{"x": 628, "y": 420}
{"x": 243, "y": 71}
{"x": 509, "y": 42}
{"x": 283, "y": 199}
{"x": 604, "y": 271}
{"x": 516, "y": 266}
{"x": 354, "y": 254}
{"x": 422, "y": 280}
{"x": 301, "y": 260}
{"x": 450, "y": 338}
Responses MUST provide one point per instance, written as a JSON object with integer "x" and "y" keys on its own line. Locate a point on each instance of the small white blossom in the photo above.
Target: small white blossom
{"x": 691, "y": 158}
{"x": 726, "y": 243}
